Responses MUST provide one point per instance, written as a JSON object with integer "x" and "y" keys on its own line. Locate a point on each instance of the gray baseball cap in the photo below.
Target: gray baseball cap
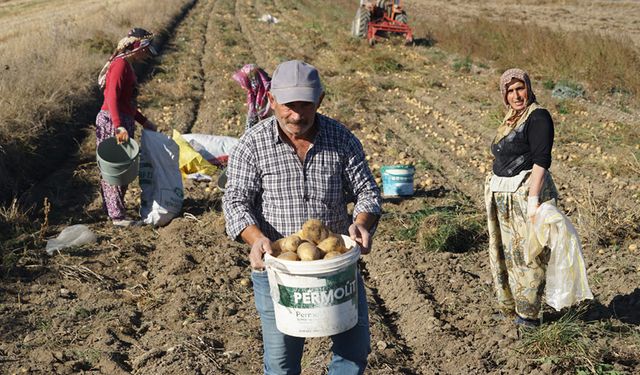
{"x": 296, "y": 81}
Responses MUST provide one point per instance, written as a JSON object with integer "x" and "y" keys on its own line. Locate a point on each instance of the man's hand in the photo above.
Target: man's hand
{"x": 258, "y": 249}
{"x": 361, "y": 235}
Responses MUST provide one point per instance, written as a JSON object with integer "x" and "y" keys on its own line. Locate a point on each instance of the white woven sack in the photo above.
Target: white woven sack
{"x": 160, "y": 179}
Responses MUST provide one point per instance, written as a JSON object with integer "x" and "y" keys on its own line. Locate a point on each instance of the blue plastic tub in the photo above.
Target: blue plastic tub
{"x": 397, "y": 180}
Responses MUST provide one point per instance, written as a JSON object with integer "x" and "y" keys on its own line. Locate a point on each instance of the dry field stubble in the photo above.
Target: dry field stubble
{"x": 178, "y": 299}
{"x": 51, "y": 54}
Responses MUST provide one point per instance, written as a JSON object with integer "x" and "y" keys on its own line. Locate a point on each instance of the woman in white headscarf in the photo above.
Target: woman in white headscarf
{"x": 519, "y": 183}
{"x": 119, "y": 111}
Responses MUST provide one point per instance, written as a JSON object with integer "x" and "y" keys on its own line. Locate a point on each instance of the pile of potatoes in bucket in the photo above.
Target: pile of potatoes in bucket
{"x": 313, "y": 242}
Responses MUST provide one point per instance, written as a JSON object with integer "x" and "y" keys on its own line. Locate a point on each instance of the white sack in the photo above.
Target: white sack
{"x": 160, "y": 179}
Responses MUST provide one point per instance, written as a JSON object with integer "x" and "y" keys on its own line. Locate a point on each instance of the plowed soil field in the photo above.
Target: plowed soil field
{"x": 178, "y": 299}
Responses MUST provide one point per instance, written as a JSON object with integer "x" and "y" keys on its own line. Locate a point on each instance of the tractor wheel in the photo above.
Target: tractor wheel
{"x": 360, "y": 23}
{"x": 402, "y": 17}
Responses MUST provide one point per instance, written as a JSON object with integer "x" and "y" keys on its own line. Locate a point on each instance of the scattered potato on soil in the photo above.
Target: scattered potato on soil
{"x": 314, "y": 231}
{"x": 308, "y": 251}
{"x": 290, "y": 243}
{"x": 288, "y": 255}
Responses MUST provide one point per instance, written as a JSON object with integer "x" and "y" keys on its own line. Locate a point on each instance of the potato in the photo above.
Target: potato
{"x": 332, "y": 243}
{"x": 314, "y": 231}
{"x": 332, "y": 254}
{"x": 290, "y": 243}
{"x": 288, "y": 255}
{"x": 276, "y": 247}
{"x": 308, "y": 251}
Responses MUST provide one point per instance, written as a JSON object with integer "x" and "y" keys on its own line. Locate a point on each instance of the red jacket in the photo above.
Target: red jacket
{"x": 119, "y": 92}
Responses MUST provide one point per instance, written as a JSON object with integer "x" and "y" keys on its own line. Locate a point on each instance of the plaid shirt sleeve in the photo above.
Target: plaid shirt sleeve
{"x": 360, "y": 182}
{"x": 243, "y": 187}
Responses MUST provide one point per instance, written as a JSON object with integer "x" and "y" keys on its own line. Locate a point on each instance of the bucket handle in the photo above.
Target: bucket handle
{"x": 273, "y": 263}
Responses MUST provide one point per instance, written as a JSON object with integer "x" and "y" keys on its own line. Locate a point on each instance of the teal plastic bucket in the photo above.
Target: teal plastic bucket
{"x": 118, "y": 163}
{"x": 397, "y": 180}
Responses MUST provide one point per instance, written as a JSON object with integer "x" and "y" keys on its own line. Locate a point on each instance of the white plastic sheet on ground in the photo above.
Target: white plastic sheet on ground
{"x": 75, "y": 235}
{"x": 268, "y": 18}
{"x": 566, "y": 279}
{"x": 160, "y": 179}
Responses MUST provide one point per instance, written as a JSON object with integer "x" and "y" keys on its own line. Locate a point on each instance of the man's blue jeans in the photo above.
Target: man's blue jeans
{"x": 283, "y": 353}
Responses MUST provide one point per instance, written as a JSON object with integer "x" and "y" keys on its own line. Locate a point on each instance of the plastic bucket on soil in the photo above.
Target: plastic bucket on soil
{"x": 315, "y": 298}
{"x": 397, "y": 180}
{"x": 118, "y": 163}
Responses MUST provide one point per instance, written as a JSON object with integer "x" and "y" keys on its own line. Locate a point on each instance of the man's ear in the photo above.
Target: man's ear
{"x": 272, "y": 100}
{"x": 320, "y": 100}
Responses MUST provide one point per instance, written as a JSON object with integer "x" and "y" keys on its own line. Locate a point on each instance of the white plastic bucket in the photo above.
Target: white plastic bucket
{"x": 397, "y": 180}
{"x": 315, "y": 298}
{"x": 118, "y": 163}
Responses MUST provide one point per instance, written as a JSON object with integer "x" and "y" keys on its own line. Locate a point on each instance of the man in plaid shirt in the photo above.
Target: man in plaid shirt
{"x": 291, "y": 167}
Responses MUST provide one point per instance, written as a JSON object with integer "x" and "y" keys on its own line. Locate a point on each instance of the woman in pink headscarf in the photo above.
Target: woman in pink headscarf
{"x": 520, "y": 182}
{"x": 257, "y": 83}
{"x": 119, "y": 111}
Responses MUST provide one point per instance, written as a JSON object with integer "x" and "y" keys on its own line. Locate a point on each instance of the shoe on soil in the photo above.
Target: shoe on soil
{"x": 527, "y": 323}
{"x": 126, "y": 223}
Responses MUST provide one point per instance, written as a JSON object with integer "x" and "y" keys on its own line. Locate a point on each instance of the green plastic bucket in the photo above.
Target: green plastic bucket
{"x": 397, "y": 180}
{"x": 118, "y": 163}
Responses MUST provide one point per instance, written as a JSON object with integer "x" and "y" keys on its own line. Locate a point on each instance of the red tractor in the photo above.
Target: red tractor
{"x": 381, "y": 15}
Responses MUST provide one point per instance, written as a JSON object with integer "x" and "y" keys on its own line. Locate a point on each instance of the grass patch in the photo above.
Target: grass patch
{"x": 463, "y": 65}
{"x": 386, "y": 64}
{"x": 564, "y": 342}
{"x": 13, "y": 219}
{"x": 449, "y": 228}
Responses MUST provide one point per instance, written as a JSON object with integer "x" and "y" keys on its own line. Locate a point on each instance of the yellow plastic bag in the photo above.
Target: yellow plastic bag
{"x": 190, "y": 160}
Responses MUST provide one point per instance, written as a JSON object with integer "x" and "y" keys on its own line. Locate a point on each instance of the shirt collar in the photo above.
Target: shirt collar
{"x": 275, "y": 134}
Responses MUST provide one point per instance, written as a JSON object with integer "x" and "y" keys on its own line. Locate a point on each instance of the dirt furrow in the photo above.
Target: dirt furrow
{"x": 173, "y": 95}
{"x": 227, "y": 51}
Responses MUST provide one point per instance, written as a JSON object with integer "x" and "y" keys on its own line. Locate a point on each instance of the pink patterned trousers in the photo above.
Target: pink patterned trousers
{"x": 112, "y": 196}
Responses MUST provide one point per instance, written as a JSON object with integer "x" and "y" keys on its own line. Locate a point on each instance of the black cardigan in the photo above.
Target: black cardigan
{"x": 528, "y": 144}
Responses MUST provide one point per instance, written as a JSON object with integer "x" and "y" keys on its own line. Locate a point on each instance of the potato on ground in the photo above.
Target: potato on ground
{"x": 314, "y": 231}
{"x": 288, "y": 255}
{"x": 308, "y": 251}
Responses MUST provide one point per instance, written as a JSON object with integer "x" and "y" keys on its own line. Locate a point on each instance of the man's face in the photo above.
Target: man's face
{"x": 517, "y": 95}
{"x": 295, "y": 118}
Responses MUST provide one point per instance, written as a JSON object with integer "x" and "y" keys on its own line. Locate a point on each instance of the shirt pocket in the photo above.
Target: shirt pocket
{"x": 324, "y": 181}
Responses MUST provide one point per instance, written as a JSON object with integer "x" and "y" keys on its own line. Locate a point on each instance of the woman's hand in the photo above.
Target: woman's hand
{"x": 532, "y": 207}
{"x": 122, "y": 135}
{"x": 149, "y": 125}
